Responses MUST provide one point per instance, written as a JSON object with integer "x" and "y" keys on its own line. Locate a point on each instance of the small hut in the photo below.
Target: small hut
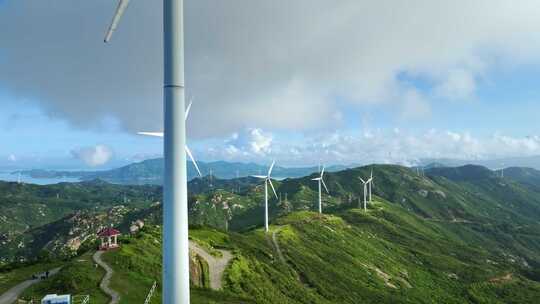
{"x": 109, "y": 238}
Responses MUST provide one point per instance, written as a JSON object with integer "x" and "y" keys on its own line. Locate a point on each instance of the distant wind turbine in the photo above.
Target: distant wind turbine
{"x": 188, "y": 151}
{"x": 501, "y": 170}
{"x": 365, "y": 191}
{"x": 320, "y": 180}
{"x": 267, "y": 180}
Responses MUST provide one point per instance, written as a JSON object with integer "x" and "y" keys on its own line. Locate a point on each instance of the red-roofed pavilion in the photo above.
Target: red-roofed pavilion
{"x": 109, "y": 238}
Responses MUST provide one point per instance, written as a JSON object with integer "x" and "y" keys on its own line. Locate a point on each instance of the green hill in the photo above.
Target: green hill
{"x": 387, "y": 255}
{"x": 456, "y": 235}
{"x": 34, "y": 217}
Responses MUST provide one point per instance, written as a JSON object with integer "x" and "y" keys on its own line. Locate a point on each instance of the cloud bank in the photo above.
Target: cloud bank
{"x": 276, "y": 65}
{"x": 376, "y": 146}
{"x": 93, "y": 156}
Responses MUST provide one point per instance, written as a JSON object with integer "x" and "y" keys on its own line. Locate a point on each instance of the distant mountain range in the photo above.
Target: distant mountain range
{"x": 151, "y": 172}
{"x": 529, "y": 162}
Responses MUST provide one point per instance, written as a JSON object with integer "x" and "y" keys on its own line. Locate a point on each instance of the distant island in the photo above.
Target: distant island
{"x": 151, "y": 171}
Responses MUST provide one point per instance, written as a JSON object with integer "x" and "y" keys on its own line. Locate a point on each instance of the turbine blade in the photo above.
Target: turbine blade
{"x": 155, "y": 134}
{"x": 193, "y": 160}
{"x": 271, "y": 185}
{"x": 259, "y": 176}
{"x": 188, "y": 108}
{"x": 363, "y": 181}
{"x": 324, "y": 184}
{"x": 271, "y": 167}
{"x": 316, "y": 179}
{"x": 371, "y": 174}
{"x": 322, "y": 172}
{"x": 122, "y": 5}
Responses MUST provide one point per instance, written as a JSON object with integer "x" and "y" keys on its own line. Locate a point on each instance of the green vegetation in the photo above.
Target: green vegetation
{"x": 77, "y": 277}
{"x": 137, "y": 264}
{"x": 13, "y": 275}
{"x": 59, "y": 217}
{"x": 457, "y": 235}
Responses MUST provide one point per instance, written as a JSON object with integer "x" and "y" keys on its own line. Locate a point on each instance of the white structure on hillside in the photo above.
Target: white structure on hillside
{"x": 56, "y": 299}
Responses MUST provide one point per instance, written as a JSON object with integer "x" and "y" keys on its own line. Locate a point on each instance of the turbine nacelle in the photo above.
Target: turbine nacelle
{"x": 321, "y": 179}
{"x": 267, "y": 178}
{"x": 188, "y": 151}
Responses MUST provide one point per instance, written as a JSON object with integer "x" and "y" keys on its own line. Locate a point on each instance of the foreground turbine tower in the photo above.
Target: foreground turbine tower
{"x": 175, "y": 211}
{"x": 267, "y": 180}
{"x": 321, "y": 181}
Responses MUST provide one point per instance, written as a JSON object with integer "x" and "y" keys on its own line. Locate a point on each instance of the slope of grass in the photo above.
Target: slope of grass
{"x": 450, "y": 237}
{"x": 10, "y": 277}
{"x": 384, "y": 256}
{"x": 77, "y": 277}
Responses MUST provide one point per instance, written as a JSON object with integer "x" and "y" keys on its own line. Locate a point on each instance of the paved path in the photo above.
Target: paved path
{"x": 13, "y": 294}
{"x": 104, "y": 285}
{"x": 216, "y": 266}
{"x": 278, "y": 249}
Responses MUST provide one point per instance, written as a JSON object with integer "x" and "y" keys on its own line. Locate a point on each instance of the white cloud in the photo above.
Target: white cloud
{"x": 12, "y": 158}
{"x": 93, "y": 156}
{"x": 379, "y": 146}
{"x": 260, "y": 63}
{"x": 249, "y": 141}
{"x": 459, "y": 84}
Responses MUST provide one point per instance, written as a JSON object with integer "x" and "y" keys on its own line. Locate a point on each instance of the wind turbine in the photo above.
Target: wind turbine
{"x": 175, "y": 207}
{"x": 188, "y": 151}
{"x": 321, "y": 181}
{"x": 267, "y": 180}
{"x": 370, "y": 184}
{"x": 365, "y": 191}
{"x": 501, "y": 170}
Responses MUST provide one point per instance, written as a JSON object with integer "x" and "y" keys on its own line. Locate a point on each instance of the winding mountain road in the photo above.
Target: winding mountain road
{"x": 104, "y": 285}
{"x": 13, "y": 294}
{"x": 216, "y": 266}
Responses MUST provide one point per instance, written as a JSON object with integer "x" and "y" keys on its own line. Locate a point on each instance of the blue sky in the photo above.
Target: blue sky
{"x": 459, "y": 81}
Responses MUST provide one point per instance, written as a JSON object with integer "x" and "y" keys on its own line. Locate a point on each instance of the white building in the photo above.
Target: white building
{"x": 56, "y": 299}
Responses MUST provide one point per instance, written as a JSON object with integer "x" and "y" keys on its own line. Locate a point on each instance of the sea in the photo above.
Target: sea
{"x": 9, "y": 177}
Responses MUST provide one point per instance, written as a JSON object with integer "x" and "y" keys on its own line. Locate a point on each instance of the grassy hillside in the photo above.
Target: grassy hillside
{"x": 456, "y": 235}
{"x": 385, "y": 255}
{"x": 77, "y": 277}
{"x": 34, "y": 217}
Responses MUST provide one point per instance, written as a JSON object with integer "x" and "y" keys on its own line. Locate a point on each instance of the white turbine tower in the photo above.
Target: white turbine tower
{"x": 175, "y": 209}
{"x": 267, "y": 180}
{"x": 188, "y": 151}
{"x": 365, "y": 191}
{"x": 321, "y": 181}
{"x": 370, "y": 184}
